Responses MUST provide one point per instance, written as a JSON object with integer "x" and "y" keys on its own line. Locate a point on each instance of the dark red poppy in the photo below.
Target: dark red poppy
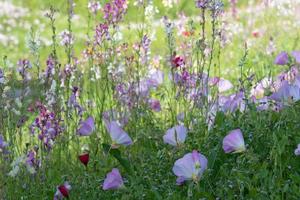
{"x": 84, "y": 158}
{"x": 64, "y": 191}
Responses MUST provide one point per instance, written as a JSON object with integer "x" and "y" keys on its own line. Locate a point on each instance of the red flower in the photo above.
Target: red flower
{"x": 64, "y": 190}
{"x": 177, "y": 61}
{"x": 84, "y": 158}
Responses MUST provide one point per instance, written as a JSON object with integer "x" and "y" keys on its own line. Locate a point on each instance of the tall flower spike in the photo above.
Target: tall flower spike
{"x": 190, "y": 167}
{"x": 175, "y": 136}
{"x": 234, "y": 142}
{"x": 86, "y": 127}
{"x": 117, "y": 134}
{"x": 113, "y": 180}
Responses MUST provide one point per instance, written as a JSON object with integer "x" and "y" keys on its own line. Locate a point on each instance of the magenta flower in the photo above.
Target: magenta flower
{"x": 297, "y": 151}
{"x": 117, "y": 134}
{"x": 190, "y": 167}
{"x": 175, "y": 136}
{"x": 62, "y": 191}
{"x": 296, "y": 55}
{"x": 234, "y": 142}
{"x": 113, "y": 180}
{"x": 282, "y": 58}
{"x": 86, "y": 127}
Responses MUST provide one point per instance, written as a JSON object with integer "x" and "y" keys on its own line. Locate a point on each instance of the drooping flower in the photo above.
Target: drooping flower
{"x": 297, "y": 150}
{"x": 287, "y": 93}
{"x": 282, "y": 58}
{"x": 190, "y": 167}
{"x": 62, "y": 191}
{"x": 87, "y": 127}
{"x": 117, "y": 134}
{"x": 175, "y": 136}
{"x": 113, "y": 180}
{"x": 234, "y": 142}
{"x": 84, "y": 158}
{"x": 296, "y": 55}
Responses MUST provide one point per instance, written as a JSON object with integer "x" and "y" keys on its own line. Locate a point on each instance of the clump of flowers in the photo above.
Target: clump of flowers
{"x": 114, "y": 11}
{"x": 47, "y": 125}
{"x": 94, "y": 6}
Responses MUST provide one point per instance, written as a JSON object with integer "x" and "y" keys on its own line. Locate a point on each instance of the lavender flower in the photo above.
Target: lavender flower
{"x": 234, "y": 142}
{"x": 113, "y": 180}
{"x": 3, "y": 144}
{"x": 297, "y": 150}
{"x": 2, "y": 78}
{"x": 176, "y": 135}
{"x": 117, "y": 134}
{"x": 282, "y": 58}
{"x": 296, "y": 55}
{"x": 190, "y": 167}
{"x": 87, "y": 127}
{"x": 154, "y": 105}
{"x": 24, "y": 65}
{"x": 94, "y": 6}
{"x": 67, "y": 38}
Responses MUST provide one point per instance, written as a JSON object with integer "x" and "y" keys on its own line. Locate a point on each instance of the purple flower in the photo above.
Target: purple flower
{"x": 287, "y": 93}
{"x": 297, "y": 151}
{"x": 176, "y": 135}
{"x": 233, "y": 102}
{"x": 282, "y": 58}
{"x": 67, "y": 38}
{"x": 154, "y": 105}
{"x": 234, "y": 142}
{"x": 296, "y": 55}
{"x": 3, "y": 144}
{"x": 117, "y": 134}
{"x": 94, "y": 7}
{"x": 190, "y": 167}
{"x": 113, "y": 180}
{"x": 87, "y": 127}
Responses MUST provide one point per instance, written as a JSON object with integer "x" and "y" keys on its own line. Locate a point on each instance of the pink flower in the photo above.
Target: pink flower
{"x": 234, "y": 142}
{"x": 113, "y": 180}
{"x": 176, "y": 135}
{"x": 190, "y": 167}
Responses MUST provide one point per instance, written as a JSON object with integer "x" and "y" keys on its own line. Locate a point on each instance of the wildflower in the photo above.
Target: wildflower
{"x": 87, "y": 127}
{"x": 84, "y": 158}
{"x": 202, "y": 3}
{"x": 114, "y": 11}
{"x": 234, "y": 142}
{"x": 94, "y": 6}
{"x": 177, "y": 61}
{"x": 67, "y": 38}
{"x": 296, "y": 55}
{"x": 282, "y": 58}
{"x": 3, "y": 144}
{"x": 190, "y": 167}
{"x": 232, "y": 102}
{"x": 297, "y": 150}
{"x": 175, "y": 136}
{"x": 24, "y": 65}
{"x": 154, "y": 105}
{"x": 62, "y": 191}
{"x": 287, "y": 93}
{"x": 101, "y": 33}
{"x": 117, "y": 134}
{"x": 2, "y": 78}
{"x": 113, "y": 180}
